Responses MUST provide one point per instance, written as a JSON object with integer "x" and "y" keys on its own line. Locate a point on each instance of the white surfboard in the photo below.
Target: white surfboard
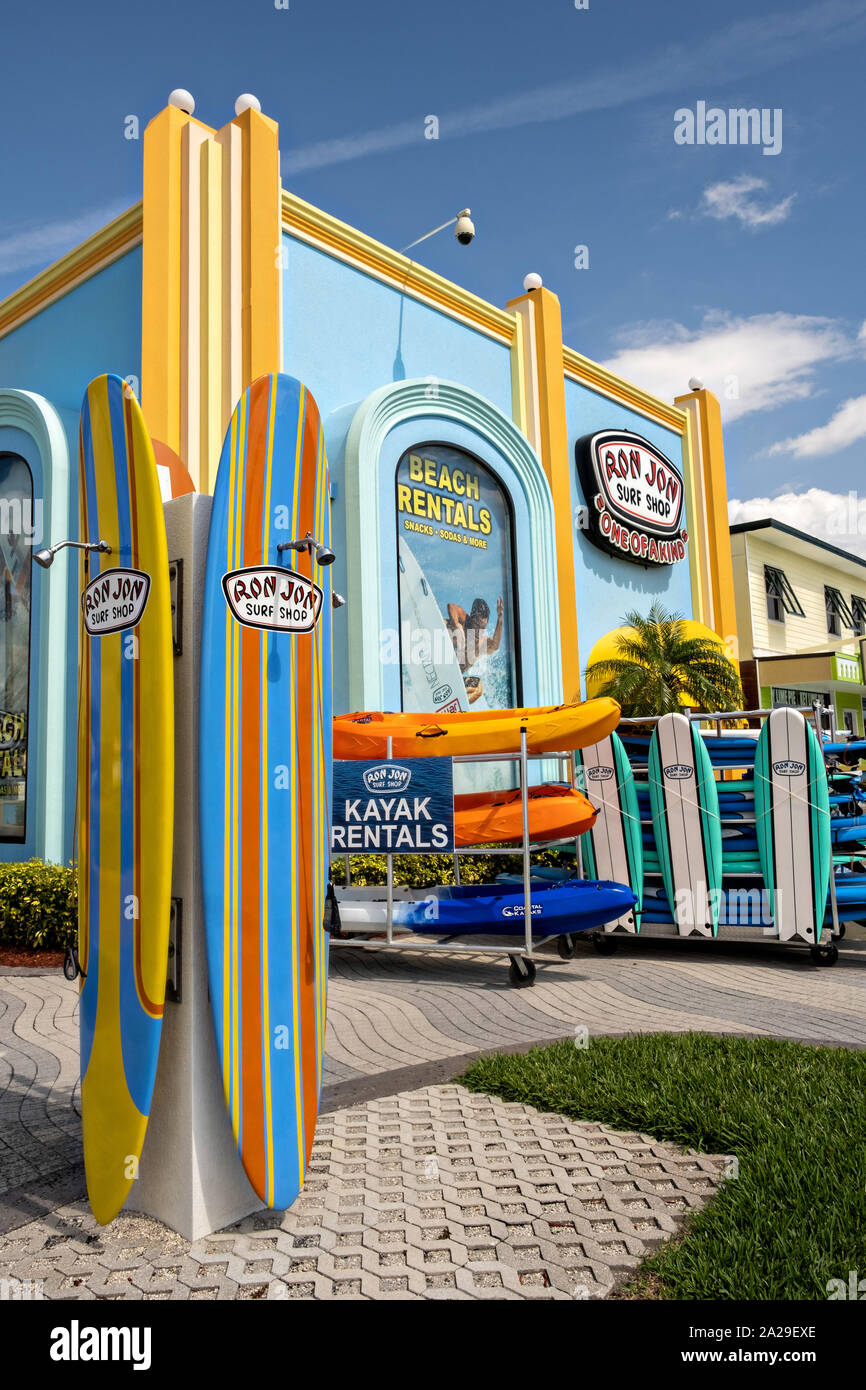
{"x": 432, "y": 678}
{"x": 792, "y": 819}
{"x": 612, "y": 847}
{"x": 686, "y": 826}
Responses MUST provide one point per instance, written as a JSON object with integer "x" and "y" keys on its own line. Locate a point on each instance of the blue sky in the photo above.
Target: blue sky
{"x": 556, "y": 125}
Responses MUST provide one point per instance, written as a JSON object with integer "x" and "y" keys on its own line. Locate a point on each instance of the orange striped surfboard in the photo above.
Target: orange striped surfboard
{"x": 125, "y": 787}
{"x": 265, "y": 771}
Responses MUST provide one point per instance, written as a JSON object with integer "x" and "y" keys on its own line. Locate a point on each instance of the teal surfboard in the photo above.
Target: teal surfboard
{"x": 612, "y": 848}
{"x": 792, "y": 813}
{"x": 685, "y": 813}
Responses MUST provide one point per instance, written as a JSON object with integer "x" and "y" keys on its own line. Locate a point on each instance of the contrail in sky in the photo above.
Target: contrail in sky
{"x": 747, "y": 47}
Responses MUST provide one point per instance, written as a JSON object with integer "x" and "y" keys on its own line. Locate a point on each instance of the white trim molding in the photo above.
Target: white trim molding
{"x": 48, "y": 772}
{"x": 380, "y": 413}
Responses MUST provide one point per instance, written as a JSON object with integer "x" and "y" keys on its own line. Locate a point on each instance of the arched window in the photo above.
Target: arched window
{"x": 17, "y": 533}
{"x": 458, "y": 591}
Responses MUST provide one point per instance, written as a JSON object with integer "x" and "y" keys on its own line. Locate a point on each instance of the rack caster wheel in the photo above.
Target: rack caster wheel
{"x": 565, "y": 947}
{"x": 824, "y": 955}
{"x": 521, "y": 972}
{"x": 841, "y": 931}
{"x": 604, "y": 944}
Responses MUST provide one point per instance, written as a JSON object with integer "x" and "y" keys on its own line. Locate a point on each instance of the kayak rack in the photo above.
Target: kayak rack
{"x": 521, "y": 954}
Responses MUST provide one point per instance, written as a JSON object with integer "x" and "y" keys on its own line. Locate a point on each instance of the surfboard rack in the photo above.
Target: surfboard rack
{"x": 824, "y": 950}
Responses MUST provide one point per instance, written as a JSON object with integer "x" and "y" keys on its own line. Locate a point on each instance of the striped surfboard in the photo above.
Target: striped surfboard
{"x": 685, "y": 813}
{"x": 125, "y": 787}
{"x": 612, "y": 848}
{"x": 792, "y": 814}
{"x": 265, "y": 772}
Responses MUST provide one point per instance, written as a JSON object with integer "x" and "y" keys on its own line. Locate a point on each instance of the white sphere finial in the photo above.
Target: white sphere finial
{"x": 695, "y": 383}
{"x": 245, "y": 101}
{"x": 532, "y": 281}
{"x": 183, "y": 100}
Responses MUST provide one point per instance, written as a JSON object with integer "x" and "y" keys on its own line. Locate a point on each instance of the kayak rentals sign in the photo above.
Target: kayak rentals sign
{"x": 635, "y": 496}
{"x": 404, "y": 807}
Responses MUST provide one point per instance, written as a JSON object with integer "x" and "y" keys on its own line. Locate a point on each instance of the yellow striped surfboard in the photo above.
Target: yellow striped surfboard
{"x": 125, "y": 787}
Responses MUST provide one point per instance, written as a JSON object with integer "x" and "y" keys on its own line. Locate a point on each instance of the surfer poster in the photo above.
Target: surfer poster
{"x": 455, "y": 562}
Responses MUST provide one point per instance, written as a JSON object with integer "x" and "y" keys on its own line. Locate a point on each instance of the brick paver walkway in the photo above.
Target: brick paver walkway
{"x": 435, "y": 1193}
{"x": 429, "y": 1192}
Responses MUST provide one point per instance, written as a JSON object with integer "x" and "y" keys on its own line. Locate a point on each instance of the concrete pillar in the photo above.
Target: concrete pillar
{"x": 190, "y": 1175}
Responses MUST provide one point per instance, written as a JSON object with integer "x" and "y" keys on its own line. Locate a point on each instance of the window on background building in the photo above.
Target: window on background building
{"x": 457, "y": 585}
{"x": 781, "y": 598}
{"x": 858, "y": 609}
{"x": 838, "y": 611}
{"x": 796, "y": 698}
{"x": 16, "y": 530}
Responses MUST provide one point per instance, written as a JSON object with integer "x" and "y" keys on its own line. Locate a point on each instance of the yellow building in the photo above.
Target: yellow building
{"x": 801, "y": 620}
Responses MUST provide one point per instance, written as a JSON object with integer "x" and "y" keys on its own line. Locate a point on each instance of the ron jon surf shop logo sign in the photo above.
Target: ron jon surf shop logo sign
{"x": 635, "y": 497}
{"x": 270, "y": 597}
{"x": 114, "y": 600}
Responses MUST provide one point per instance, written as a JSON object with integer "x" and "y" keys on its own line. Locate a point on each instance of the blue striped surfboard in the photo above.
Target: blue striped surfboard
{"x": 265, "y": 773}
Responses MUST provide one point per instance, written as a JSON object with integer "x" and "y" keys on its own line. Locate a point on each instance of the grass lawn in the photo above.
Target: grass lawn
{"x": 794, "y": 1116}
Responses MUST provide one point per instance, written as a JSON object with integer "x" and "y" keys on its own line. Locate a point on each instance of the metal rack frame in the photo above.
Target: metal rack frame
{"x": 449, "y": 941}
{"x": 527, "y": 949}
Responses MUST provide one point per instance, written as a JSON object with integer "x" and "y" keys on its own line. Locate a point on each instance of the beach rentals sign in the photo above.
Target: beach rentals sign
{"x": 634, "y": 495}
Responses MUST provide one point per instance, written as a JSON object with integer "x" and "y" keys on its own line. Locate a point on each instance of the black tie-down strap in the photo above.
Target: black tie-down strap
{"x": 331, "y": 918}
{"x": 71, "y": 967}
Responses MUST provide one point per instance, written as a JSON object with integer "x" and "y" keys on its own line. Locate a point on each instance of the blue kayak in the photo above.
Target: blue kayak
{"x": 484, "y": 909}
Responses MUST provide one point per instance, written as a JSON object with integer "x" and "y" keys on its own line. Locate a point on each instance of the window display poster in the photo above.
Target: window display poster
{"x": 16, "y": 499}
{"x": 457, "y": 591}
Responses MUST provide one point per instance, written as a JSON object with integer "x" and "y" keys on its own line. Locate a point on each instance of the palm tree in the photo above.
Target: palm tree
{"x": 659, "y": 668}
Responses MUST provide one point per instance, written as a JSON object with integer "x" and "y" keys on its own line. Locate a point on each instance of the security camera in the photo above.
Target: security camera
{"x": 465, "y": 229}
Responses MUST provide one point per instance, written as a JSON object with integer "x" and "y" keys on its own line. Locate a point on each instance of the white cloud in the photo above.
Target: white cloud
{"x": 751, "y": 364}
{"x": 747, "y": 46}
{"x": 845, "y": 427}
{"x": 735, "y": 198}
{"x": 39, "y": 246}
{"x": 831, "y": 516}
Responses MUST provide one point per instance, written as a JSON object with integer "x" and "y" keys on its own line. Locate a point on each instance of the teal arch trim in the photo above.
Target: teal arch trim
{"x": 375, "y": 417}
{"x": 35, "y": 416}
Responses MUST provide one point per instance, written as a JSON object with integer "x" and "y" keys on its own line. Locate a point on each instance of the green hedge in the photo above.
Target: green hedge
{"x": 425, "y": 870}
{"x": 38, "y": 905}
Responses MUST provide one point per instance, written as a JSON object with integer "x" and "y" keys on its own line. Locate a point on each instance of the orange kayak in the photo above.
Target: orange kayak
{"x": 549, "y": 729}
{"x": 556, "y": 811}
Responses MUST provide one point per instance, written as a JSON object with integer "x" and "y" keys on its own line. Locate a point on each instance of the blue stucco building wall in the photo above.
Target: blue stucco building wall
{"x": 345, "y": 335}
{"x": 94, "y": 328}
